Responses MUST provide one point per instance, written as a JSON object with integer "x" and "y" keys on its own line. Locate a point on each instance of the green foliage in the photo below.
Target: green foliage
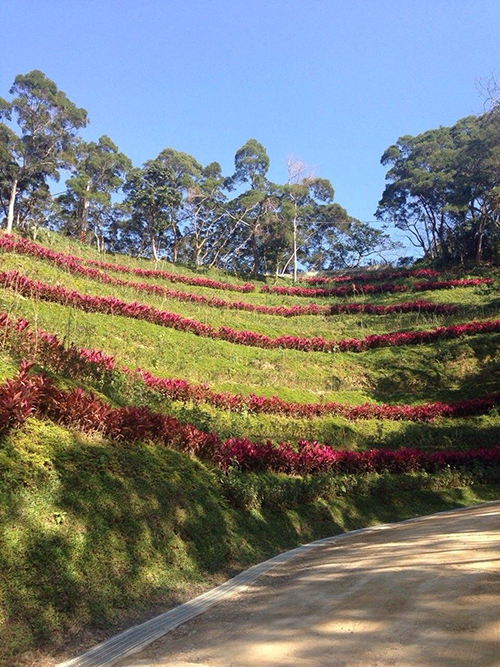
{"x": 151, "y": 200}
{"x": 98, "y": 172}
{"x": 443, "y": 189}
{"x": 48, "y": 122}
{"x": 252, "y": 491}
{"x": 89, "y": 528}
{"x": 251, "y": 164}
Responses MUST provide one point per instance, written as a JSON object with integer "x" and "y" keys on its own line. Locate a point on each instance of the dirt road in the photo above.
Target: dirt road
{"x": 420, "y": 594}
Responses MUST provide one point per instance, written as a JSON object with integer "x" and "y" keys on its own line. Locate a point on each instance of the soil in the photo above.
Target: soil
{"x": 421, "y": 594}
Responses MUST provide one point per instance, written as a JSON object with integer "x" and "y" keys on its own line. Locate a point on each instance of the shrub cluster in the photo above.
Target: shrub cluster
{"x": 47, "y": 350}
{"x": 35, "y": 395}
{"x": 381, "y": 288}
{"x": 113, "y": 306}
{"x": 277, "y": 491}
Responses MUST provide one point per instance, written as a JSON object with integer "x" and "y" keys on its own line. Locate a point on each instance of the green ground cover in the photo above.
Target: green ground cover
{"x": 91, "y": 529}
{"x": 158, "y": 526}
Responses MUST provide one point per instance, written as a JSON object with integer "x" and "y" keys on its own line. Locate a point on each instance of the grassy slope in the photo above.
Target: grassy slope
{"x": 443, "y": 371}
{"x": 90, "y": 529}
{"x": 155, "y": 525}
{"x": 240, "y": 368}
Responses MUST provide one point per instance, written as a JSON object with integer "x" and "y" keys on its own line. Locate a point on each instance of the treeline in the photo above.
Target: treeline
{"x": 442, "y": 191}
{"x": 172, "y": 207}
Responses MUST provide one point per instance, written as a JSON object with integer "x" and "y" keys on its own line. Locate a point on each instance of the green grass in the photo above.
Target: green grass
{"x": 440, "y": 371}
{"x": 445, "y": 371}
{"x": 91, "y": 529}
{"x": 473, "y": 302}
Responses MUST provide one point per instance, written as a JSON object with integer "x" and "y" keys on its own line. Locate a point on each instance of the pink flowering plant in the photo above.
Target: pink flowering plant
{"x": 47, "y": 351}
{"x": 114, "y": 306}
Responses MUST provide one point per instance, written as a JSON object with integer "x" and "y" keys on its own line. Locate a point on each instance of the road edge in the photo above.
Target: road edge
{"x": 136, "y": 638}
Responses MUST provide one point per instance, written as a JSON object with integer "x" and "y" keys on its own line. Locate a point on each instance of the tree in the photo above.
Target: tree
{"x": 416, "y": 198}
{"x": 181, "y": 170}
{"x": 443, "y": 188}
{"x": 207, "y": 215}
{"x": 302, "y": 200}
{"x": 490, "y": 89}
{"x": 339, "y": 241}
{"x": 99, "y": 172}
{"x": 251, "y": 166}
{"x": 48, "y": 122}
{"x": 474, "y": 200}
{"x": 150, "y": 199}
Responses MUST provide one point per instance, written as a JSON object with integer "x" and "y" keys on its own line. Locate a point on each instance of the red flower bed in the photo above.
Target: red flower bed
{"x": 47, "y": 349}
{"x": 110, "y": 305}
{"x": 37, "y": 396}
{"x": 72, "y": 264}
{"x": 369, "y": 288}
{"x": 27, "y": 396}
{"x": 23, "y": 246}
{"x": 313, "y": 457}
{"x": 172, "y": 277}
{"x": 372, "y": 276}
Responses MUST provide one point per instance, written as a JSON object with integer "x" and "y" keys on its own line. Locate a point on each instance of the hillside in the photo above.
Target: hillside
{"x": 172, "y": 427}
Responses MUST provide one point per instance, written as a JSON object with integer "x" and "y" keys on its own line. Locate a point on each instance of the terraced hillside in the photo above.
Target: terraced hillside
{"x": 161, "y": 428}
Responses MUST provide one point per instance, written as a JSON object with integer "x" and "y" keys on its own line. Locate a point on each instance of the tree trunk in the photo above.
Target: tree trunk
{"x": 295, "y": 250}
{"x": 98, "y": 241}
{"x": 154, "y": 249}
{"x": 141, "y": 248}
{"x": 479, "y": 252}
{"x": 10, "y": 215}
{"x": 255, "y": 255}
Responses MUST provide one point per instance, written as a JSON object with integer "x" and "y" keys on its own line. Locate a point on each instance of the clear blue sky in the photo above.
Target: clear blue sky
{"x": 332, "y": 81}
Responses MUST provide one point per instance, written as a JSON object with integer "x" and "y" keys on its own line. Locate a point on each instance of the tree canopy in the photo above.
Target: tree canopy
{"x": 172, "y": 206}
{"x": 443, "y": 189}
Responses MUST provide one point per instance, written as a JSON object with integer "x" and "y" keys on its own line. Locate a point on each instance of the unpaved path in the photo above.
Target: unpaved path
{"x": 419, "y": 594}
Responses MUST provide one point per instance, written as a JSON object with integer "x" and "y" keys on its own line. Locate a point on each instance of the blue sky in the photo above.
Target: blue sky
{"x": 332, "y": 81}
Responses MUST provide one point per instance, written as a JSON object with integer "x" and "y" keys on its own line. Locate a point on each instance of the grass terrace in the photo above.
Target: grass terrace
{"x": 102, "y": 507}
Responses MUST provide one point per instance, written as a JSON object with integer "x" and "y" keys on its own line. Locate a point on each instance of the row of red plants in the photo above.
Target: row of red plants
{"x": 23, "y": 246}
{"x": 173, "y": 277}
{"x": 36, "y": 396}
{"x": 72, "y": 264}
{"x": 381, "y": 288}
{"x": 47, "y": 350}
{"x": 372, "y": 276}
{"x": 113, "y": 306}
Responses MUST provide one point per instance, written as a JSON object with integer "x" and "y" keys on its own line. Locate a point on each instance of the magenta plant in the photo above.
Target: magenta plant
{"x": 46, "y": 349}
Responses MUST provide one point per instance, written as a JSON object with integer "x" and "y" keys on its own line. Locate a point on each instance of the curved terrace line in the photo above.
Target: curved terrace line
{"x": 29, "y": 395}
{"x": 26, "y": 247}
{"x": 112, "y": 306}
{"x": 74, "y": 265}
{"x": 378, "y": 288}
{"x": 35, "y": 345}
